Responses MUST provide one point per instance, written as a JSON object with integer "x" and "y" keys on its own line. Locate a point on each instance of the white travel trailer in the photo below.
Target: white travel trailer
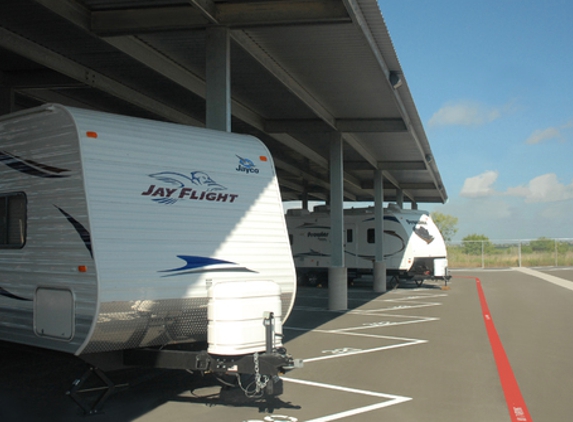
{"x": 120, "y": 233}
{"x": 413, "y": 245}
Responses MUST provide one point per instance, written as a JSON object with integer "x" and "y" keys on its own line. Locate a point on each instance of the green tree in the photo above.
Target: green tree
{"x": 543, "y": 244}
{"x": 446, "y": 224}
{"x": 474, "y": 244}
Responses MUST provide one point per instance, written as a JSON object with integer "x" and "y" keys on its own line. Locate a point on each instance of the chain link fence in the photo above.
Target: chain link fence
{"x": 543, "y": 252}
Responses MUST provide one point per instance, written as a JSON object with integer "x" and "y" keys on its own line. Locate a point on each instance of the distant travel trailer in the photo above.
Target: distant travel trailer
{"x": 414, "y": 248}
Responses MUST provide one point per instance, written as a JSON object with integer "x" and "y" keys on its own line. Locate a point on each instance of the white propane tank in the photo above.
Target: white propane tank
{"x": 236, "y": 313}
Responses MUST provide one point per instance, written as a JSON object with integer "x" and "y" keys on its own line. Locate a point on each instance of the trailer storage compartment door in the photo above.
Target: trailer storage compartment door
{"x": 54, "y": 313}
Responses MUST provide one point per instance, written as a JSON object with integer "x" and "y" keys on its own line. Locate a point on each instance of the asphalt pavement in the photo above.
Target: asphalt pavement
{"x": 411, "y": 354}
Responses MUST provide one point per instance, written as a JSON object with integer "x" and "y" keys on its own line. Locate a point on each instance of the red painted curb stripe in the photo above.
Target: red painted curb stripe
{"x": 515, "y": 403}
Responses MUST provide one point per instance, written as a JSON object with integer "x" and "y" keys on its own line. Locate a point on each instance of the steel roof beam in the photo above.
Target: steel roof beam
{"x": 201, "y": 13}
{"x": 403, "y": 165}
{"x": 371, "y": 125}
{"x": 38, "y": 78}
{"x": 49, "y": 96}
{"x": 141, "y": 21}
{"x": 387, "y": 165}
{"x": 369, "y": 184}
{"x": 261, "y": 56}
{"x": 61, "y": 64}
{"x": 292, "y": 12}
{"x": 341, "y": 125}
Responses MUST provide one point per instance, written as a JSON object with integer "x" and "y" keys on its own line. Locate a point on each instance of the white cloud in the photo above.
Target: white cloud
{"x": 548, "y": 134}
{"x": 543, "y": 135}
{"x": 465, "y": 113}
{"x": 544, "y": 188}
{"x": 480, "y": 185}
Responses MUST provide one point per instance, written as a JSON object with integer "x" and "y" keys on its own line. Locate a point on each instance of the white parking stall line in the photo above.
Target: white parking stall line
{"x": 355, "y": 311}
{"x": 353, "y": 352}
{"x": 400, "y": 307}
{"x": 390, "y": 400}
{"x": 416, "y": 299}
{"x": 561, "y": 282}
{"x": 370, "y": 325}
{"x": 350, "y": 351}
{"x": 378, "y": 324}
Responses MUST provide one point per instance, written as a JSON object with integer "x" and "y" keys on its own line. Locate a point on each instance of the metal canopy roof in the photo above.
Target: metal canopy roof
{"x": 301, "y": 70}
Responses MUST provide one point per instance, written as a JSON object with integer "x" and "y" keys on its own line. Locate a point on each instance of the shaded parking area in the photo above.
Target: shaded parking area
{"x": 414, "y": 353}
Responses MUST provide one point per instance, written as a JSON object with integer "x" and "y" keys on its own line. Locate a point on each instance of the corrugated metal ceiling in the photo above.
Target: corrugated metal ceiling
{"x": 294, "y": 80}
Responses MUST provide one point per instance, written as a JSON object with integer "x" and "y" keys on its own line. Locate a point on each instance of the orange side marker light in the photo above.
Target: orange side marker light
{"x": 91, "y": 134}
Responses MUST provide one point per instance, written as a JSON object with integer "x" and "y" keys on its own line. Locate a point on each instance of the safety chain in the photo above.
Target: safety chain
{"x": 259, "y": 385}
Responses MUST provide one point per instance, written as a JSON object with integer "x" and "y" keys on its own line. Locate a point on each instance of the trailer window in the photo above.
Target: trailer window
{"x": 13, "y": 220}
{"x": 349, "y": 236}
{"x": 371, "y": 236}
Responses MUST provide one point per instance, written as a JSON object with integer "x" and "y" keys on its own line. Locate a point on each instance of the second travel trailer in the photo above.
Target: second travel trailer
{"x": 414, "y": 248}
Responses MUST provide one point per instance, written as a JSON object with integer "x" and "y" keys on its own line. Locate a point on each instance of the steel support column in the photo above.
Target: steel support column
{"x": 400, "y": 198}
{"x": 218, "y": 78}
{"x": 337, "y": 274}
{"x": 304, "y": 196}
{"x": 379, "y": 284}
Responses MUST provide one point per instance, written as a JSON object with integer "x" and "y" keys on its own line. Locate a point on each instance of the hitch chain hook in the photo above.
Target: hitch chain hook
{"x": 259, "y": 385}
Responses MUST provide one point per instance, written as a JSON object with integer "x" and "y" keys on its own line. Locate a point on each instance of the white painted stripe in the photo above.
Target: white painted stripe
{"x": 391, "y": 400}
{"x": 547, "y": 277}
{"x": 381, "y": 324}
{"x": 361, "y": 352}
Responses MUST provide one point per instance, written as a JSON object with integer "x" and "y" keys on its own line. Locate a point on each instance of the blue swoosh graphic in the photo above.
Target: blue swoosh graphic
{"x": 386, "y": 217}
{"x": 200, "y": 264}
{"x": 82, "y": 231}
{"x": 30, "y": 167}
{"x": 6, "y": 293}
{"x": 311, "y": 253}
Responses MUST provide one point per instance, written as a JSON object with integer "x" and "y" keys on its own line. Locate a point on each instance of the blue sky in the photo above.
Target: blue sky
{"x": 493, "y": 84}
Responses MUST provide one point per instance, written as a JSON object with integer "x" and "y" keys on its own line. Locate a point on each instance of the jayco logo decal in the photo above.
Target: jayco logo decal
{"x": 246, "y": 166}
{"x": 197, "y": 186}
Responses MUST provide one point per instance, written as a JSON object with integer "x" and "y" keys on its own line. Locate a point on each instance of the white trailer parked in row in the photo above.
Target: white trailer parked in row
{"x": 413, "y": 246}
{"x": 119, "y": 233}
